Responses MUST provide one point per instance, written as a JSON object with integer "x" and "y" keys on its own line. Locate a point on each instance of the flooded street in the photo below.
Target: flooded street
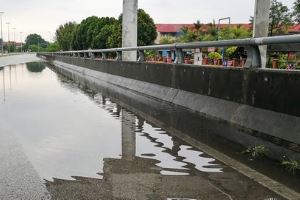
{"x": 83, "y": 145}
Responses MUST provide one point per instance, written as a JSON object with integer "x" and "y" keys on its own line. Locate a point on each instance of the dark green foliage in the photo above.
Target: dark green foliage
{"x": 106, "y": 32}
{"x": 53, "y": 47}
{"x": 256, "y": 151}
{"x": 280, "y": 18}
{"x": 146, "y": 29}
{"x": 292, "y": 166}
{"x": 35, "y": 67}
{"x": 296, "y": 12}
{"x": 35, "y": 39}
{"x": 64, "y": 35}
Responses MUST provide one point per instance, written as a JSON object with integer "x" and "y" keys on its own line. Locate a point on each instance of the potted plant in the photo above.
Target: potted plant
{"x": 215, "y": 57}
{"x": 230, "y": 54}
{"x": 205, "y": 60}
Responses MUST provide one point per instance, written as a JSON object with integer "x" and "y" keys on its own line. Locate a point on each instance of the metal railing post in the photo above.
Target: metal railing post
{"x": 253, "y": 57}
{"x": 92, "y": 55}
{"x": 141, "y": 56}
{"x": 103, "y": 56}
{"x": 119, "y": 55}
{"x": 179, "y": 56}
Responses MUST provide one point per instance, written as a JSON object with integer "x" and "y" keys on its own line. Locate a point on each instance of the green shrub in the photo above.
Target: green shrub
{"x": 214, "y": 55}
{"x": 292, "y": 166}
{"x": 256, "y": 151}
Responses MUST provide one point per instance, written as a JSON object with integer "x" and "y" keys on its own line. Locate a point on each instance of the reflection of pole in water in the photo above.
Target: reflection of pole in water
{"x": 9, "y": 77}
{"x": 3, "y": 84}
{"x": 128, "y": 135}
{"x": 16, "y": 77}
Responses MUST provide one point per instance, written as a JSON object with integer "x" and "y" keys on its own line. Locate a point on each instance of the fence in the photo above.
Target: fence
{"x": 251, "y": 45}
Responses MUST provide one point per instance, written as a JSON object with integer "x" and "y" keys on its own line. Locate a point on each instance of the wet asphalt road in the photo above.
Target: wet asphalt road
{"x": 19, "y": 180}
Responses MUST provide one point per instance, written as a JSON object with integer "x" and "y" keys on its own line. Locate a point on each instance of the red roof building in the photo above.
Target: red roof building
{"x": 174, "y": 30}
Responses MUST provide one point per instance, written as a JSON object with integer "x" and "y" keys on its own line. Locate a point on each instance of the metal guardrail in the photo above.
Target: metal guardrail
{"x": 251, "y": 45}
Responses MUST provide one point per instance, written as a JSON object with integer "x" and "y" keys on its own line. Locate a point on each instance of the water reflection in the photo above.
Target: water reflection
{"x": 35, "y": 67}
{"x": 86, "y": 146}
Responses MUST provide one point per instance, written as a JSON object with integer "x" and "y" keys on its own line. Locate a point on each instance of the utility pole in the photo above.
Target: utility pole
{"x": 129, "y": 29}
{"x": 261, "y": 26}
{"x": 219, "y": 22}
{"x": 1, "y": 13}
{"x": 8, "y": 44}
{"x": 14, "y": 39}
{"x": 21, "y": 41}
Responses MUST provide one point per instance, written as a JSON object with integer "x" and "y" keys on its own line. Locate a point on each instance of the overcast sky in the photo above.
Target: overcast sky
{"x": 43, "y": 17}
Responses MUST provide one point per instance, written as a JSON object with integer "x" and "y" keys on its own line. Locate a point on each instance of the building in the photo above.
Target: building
{"x": 175, "y": 30}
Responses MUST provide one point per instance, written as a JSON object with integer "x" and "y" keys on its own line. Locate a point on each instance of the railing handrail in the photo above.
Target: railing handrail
{"x": 286, "y": 39}
{"x": 251, "y": 44}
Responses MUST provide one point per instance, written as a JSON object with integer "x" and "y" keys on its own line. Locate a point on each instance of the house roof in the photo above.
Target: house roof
{"x": 175, "y": 28}
{"x": 171, "y": 28}
{"x": 294, "y": 28}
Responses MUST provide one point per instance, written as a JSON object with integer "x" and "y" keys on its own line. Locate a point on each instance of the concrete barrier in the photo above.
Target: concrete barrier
{"x": 260, "y": 103}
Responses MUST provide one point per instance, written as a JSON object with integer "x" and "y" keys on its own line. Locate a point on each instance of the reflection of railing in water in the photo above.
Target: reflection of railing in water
{"x": 251, "y": 45}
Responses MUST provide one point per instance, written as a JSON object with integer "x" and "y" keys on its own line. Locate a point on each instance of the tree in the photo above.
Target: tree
{"x": 167, "y": 40}
{"x": 64, "y": 35}
{"x": 187, "y": 35}
{"x": 80, "y": 34}
{"x": 296, "y": 12}
{"x": 280, "y": 18}
{"x": 53, "y": 47}
{"x": 234, "y": 33}
{"x": 115, "y": 39}
{"x": 88, "y": 34}
{"x": 146, "y": 28}
{"x": 100, "y": 34}
{"x": 106, "y": 32}
{"x": 35, "y": 39}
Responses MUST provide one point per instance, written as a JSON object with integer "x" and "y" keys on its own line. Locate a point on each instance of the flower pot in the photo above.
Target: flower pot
{"x": 275, "y": 63}
{"x": 205, "y": 61}
{"x": 186, "y": 61}
{"x": 169, "y": 60}
{"x": 230, "y": 63}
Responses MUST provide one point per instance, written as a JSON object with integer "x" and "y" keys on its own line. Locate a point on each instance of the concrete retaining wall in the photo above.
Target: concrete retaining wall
{"x": 260, "y": 102}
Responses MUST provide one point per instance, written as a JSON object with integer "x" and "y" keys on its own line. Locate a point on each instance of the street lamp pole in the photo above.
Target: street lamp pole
{"x": 14, "y": 39}
{"x": 1, "y": 13}
{"x": 229, "y": 22}
{"x": 8, "y": 44}
{"x": 21, "y": 41}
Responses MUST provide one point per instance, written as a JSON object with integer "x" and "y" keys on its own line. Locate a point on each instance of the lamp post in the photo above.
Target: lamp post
{"x": 1, "y": 13}
{"x": 21, "y": 41}
{"x": 229, "y": 22}
{"x": 8, "y": 44}
{"x": 14, "y": 39}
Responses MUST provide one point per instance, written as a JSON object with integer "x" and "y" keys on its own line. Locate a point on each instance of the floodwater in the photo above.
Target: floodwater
{"x": 85, "y": 146}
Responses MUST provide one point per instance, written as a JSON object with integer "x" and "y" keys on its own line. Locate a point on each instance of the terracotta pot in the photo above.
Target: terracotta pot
{"x": 186, "y": 61}
{"x": 169, "y": 60}
{"x": 275, "y": 63}
{"x": 205, "y": 61}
